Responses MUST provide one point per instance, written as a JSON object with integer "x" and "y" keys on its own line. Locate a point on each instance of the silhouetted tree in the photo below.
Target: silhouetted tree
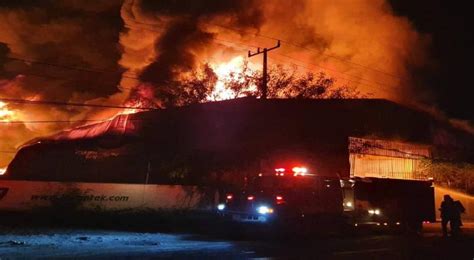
{"x": 288, "y": 83}
{"x": 193, "y": 87}
{"x": 454, "y": 175}
{"x": 198, "y": 85}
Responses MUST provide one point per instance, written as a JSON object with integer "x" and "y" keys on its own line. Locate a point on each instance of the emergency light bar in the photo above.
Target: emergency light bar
{"x": 299, "y": 171}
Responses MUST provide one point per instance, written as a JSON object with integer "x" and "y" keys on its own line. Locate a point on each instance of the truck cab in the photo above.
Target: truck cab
{"x": 388, "y": 202}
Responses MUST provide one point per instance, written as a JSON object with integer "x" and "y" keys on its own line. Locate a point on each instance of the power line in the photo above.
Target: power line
{"x": 221, "y": 40}
{"x": 61, "y": 78}
{"x": 342, "y": 78}
{"x": 58, "y": 103}
{"x": 375, "y": 87}
{"x": 311, "y": 64}
{"x": 356, "y": 77}
{"x": 136, "y": 78}
{"x": 325, "y": 68}
{"x": 53, "y": 121}
{"x": 264, "y": 87}
{"x": 25, "y": 60}
{"x": 306, "y": 48}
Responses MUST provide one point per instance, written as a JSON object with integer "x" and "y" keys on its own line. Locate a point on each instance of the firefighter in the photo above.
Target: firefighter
{"x": 456, "y": 219}
{"x": 449, "y": 213}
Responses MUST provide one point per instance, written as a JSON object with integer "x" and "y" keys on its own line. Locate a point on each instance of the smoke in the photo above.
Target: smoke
{"x": 179, "y": 35}
{"x": 73, "y": 34}
{"x": 134, "y": 48}
{"x": 376, "y": 49}
{"x": 359, "y": 43}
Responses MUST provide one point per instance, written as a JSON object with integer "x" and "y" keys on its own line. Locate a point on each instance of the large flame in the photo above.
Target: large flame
{"x": 231, "y": 70}
{"x": 6, "y": 115}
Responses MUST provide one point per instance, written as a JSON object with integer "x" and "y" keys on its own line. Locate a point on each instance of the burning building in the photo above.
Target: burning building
{"x": 219, "y": 143}
{"x": 187, "y": 144}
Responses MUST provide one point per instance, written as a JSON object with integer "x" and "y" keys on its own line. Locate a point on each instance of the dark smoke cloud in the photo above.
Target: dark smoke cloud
{"x": 184, "y": 35}
{"x": 176, "y": 48}
{"x": 69, "y": 33}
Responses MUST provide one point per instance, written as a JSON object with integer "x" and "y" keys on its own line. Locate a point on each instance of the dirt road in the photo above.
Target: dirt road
{"x": 17, "y": 242}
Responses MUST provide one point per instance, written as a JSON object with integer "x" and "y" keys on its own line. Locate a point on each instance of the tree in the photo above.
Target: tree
{"x": 198, "y": 85}
{"x": 288, "y": 83}
{"x": 192, "y": 87}
{"x": 454, "y": 175}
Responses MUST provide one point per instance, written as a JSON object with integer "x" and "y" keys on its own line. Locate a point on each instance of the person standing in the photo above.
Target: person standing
{"x": 456, "y": 218}
{"x": 447, "y": 213}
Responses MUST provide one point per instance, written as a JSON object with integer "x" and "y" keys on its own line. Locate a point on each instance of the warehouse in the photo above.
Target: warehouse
{"x": 195, "y": 144}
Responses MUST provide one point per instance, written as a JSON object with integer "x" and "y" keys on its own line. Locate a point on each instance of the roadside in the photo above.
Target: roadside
{"x": 26, "y": 242}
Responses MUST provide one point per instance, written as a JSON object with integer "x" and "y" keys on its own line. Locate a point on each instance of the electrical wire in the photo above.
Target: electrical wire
{"x": 59, "y": 103}
{"x": 26, "y": 60}
{"x": 291, "y": 44}
{"x": 53, "y": 121}
{"x": 306, "y": 48}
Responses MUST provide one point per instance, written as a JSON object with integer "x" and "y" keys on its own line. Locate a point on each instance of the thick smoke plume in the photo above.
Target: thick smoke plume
{"x": 124, "y": 48}
{"x": 35, "y": 36}
{"x": 360, "y": 42}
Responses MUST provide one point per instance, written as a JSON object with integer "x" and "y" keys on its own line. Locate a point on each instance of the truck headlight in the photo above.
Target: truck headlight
{"x": 374, "y": 211}
{"x": 264, "y": 210}
{"x": 221, "y": 206}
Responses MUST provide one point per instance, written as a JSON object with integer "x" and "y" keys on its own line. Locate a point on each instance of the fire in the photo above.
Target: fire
{"x": 141, "y": 98}
{"x": 129, "y": 111}
{"x": 6, "y": 115}
{"x": 225, "y": 71}
{"x": 2, "y": 171}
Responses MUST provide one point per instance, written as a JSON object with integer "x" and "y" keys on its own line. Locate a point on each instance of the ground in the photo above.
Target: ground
{"x": 77, "y": 242}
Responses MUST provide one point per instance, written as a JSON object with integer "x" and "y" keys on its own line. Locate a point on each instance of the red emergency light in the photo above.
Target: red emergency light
{"x": 279, "y": 199}
{"x": 280, "y": 172}
{"x": 299, "y": 171}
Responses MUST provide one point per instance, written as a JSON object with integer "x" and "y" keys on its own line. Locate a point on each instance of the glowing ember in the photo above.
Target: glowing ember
{"x": 2, "y": 171}
{"x": 229, "y": 71}
{"x": 6, "y": 114}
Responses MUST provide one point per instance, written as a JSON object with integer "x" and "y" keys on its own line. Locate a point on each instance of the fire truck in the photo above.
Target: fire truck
{"x": 289, "y": 194}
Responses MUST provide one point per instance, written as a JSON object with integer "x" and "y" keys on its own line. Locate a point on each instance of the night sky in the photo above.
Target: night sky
{"x": 449, "y": 25}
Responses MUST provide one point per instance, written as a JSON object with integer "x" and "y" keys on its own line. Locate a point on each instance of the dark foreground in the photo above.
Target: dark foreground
{"x": 26, "y": 237}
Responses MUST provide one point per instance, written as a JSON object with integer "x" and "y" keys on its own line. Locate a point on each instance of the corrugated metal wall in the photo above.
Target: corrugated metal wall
{"x": 387, "y": 159}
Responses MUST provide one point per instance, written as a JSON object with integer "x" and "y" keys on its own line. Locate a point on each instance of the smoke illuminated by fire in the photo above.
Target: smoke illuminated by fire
{"x": 147, "y": 44}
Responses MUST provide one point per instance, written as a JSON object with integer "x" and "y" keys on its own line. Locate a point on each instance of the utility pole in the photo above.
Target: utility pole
{"x": 264, "y": 86}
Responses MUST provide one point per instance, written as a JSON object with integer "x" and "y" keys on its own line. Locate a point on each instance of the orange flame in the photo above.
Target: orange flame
{"x": 6, "y": 115}
{"x": 229, "y": 71}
